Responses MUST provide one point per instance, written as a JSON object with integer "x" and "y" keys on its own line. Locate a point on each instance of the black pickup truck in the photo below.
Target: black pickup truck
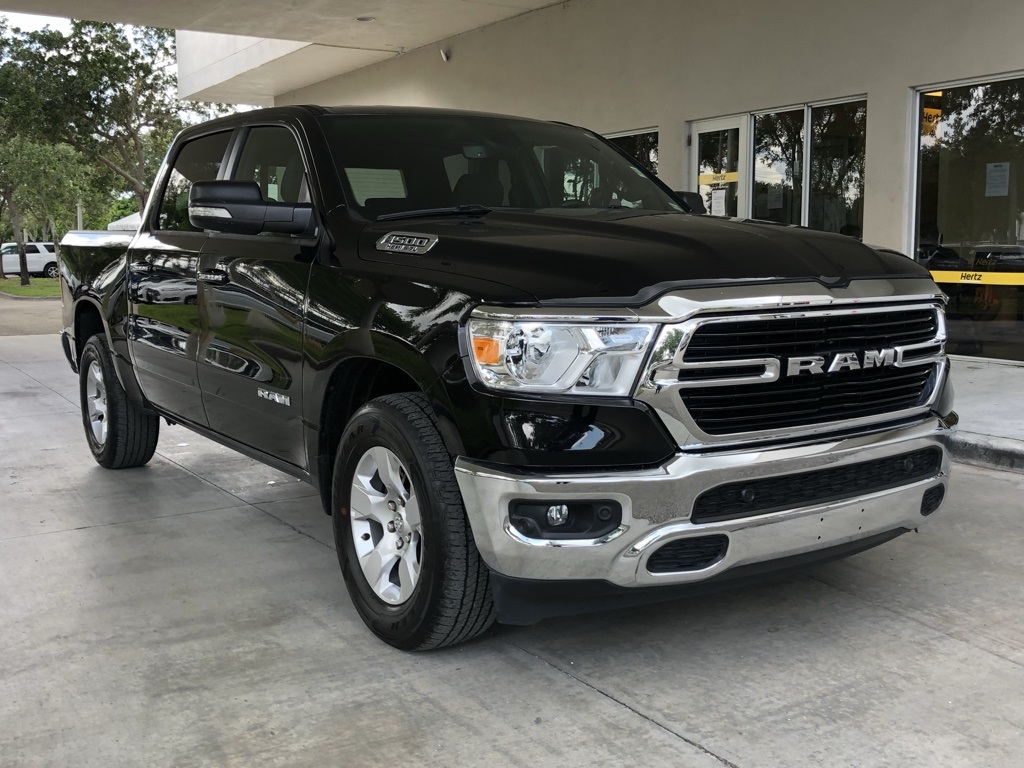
{"x": 526, "y": 379}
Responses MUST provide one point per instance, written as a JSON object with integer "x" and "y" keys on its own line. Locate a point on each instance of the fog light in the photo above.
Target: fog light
{"x": 556, "y": 519}
{"x": 558, "y": 514}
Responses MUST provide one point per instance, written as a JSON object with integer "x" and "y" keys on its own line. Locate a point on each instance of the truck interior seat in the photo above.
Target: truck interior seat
{"x": 482, "y": 190}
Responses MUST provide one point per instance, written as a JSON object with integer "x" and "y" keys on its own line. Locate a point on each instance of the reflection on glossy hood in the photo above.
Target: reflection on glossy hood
{"x": 621, "y": 254}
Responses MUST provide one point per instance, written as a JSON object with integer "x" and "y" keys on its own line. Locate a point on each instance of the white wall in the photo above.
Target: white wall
{"x": 617, "y": 66}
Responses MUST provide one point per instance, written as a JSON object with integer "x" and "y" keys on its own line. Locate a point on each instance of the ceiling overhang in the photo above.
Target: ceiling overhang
{"x": 284, "y": 46}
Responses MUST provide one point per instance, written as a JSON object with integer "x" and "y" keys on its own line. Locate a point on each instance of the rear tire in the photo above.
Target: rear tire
{"x": 432, "y": 589}
{"x": 119, "y": 433}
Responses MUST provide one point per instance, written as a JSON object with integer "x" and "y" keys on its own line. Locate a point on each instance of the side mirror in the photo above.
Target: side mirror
{"x": 238, "y": 207}
{"x": 694, "y": 201}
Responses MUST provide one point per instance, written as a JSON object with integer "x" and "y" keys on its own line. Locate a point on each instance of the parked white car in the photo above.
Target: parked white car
{"x": 40, "y": 256}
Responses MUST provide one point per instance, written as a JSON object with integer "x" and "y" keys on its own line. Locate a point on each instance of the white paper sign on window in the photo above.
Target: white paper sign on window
{"x": 997, "y": 179}
{"x": 718, "y": 202}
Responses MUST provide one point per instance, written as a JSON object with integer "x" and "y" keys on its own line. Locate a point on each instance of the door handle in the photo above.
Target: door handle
{"x": 215, "y": 276}
{"x": 140, "y": 268}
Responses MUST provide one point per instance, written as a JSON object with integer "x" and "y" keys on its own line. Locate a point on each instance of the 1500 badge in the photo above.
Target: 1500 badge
{"x": 406, "y": 242}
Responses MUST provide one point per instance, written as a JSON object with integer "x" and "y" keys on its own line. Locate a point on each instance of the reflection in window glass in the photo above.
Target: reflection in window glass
{"x": 272, "y": 159}
{"x": 971, "y": 212}
{"x": 778, "y": 166}
{"x": 718, "y": 158}
{"x": 837, "y": 167}
{"x": 642, "y": 147}
{"x": 198, "y": 160}
{"x": 378, "y": 183}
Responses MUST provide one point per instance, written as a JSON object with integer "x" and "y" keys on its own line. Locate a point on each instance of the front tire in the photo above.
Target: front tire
{"x": 50, "y": 270}
{"x": 404, "y": 544}
{"x": 119, "y": 433}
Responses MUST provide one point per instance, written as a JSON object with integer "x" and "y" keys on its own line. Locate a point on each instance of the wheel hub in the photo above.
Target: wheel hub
{"x": 96, "y": 399}
{"x": 386, "y": 527}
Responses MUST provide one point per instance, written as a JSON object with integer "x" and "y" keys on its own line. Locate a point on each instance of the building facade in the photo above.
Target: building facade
{"x": 900, "y": 123}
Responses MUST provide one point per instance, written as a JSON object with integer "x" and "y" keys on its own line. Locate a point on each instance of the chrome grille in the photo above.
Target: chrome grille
{"x": 811, "y": 400}
{"x": 792, "y": 336}
{"x": 729, "y": 373}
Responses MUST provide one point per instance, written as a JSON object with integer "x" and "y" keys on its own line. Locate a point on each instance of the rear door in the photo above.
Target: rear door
{"x": 252, "y": 290}
{"x": 162, "y": 265}
{"x": 33, "y": 258}
{"x": 12, "y": 262}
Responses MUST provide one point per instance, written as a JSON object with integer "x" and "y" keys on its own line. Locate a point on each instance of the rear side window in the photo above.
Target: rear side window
{"x": 376, "y": 183}
{"x": 198, "y": 160}
{"x": 272, "y": 159}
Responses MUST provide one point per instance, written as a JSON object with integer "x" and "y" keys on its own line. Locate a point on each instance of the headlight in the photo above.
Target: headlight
{"x": 556, "y": 356}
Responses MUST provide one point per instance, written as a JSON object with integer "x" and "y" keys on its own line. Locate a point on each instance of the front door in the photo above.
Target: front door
{"x": 162, "y": 290}
{"x": 719, "y": 157}
{"x": 252, "y": 290}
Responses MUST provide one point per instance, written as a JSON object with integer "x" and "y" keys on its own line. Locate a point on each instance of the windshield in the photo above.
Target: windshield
{"x": 391, "y": 164}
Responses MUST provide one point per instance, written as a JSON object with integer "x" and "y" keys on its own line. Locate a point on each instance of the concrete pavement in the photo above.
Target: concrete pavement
{"x": 20, "y": 317}
{"x": 990, "y": 402}
{"x": 191, "y": 613}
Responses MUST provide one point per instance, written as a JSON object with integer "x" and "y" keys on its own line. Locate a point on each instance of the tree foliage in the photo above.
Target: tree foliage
{"x": 85, "y": 116}
{"x": 34, "y": 178}
{"x": 110, "y": 91}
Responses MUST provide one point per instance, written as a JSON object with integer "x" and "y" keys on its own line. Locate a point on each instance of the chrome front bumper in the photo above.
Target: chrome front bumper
{"x": 656, "y": 505}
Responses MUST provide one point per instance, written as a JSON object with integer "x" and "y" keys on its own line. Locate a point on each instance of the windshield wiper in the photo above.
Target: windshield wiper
{"x": 455, "y": 210}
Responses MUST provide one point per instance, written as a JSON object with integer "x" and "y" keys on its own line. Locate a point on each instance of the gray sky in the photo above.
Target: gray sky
{"x": 28, "y": 21}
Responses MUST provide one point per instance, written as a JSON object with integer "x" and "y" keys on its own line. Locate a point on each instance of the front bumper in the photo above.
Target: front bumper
{"x": 656, "y": 505}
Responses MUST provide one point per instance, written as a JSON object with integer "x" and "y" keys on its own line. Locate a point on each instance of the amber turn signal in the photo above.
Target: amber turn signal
{"x": 486, "y": 350}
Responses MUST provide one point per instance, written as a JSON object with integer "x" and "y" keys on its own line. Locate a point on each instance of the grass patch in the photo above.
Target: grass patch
{"x": 39, "y": 286}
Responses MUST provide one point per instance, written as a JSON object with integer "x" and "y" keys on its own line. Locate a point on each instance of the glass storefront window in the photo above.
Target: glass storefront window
{"x": 970, "y": 223}
{"x": 718, "y": 163}
{"x": 642, "y": 147}
{"x": 779, "y": 166}
{"x": 837, "y": 167}
{"x": 833, "y": 136}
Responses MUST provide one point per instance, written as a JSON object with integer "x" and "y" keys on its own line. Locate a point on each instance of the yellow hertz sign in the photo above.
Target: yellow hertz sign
{"x": 707, "y": 179}
{"x": 979, "y": 278}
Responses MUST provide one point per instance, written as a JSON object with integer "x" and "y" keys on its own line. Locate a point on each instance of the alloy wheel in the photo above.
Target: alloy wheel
{"x": 96, "y": 397}
{"x": 387, "y": 531}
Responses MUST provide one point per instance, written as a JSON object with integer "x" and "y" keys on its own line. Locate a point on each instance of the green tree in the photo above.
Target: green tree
{"x": 22, "y": 163}
{"x": 112, "y": 91}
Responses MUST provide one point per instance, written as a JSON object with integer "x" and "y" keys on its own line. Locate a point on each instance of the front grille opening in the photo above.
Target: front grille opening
{"x": 810, "y": 335}
{"x": 772, "y": 494}
{"x": 932, "y": 499}
{"x": 693, "y": 554}
{"x": 808, "y": 400}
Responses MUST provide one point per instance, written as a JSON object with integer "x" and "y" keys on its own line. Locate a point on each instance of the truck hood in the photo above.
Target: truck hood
{"x": 628, "y": 257}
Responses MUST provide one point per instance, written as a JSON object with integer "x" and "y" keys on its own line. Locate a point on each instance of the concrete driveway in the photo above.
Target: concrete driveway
{"x": 28, "y": 316}
{"x": 192, "y": 613}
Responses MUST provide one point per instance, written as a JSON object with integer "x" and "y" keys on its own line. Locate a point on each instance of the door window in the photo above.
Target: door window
{"x": 718, "y": 170}
{"x": 198, "y": 160}
{"x": 272, "y": 159}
